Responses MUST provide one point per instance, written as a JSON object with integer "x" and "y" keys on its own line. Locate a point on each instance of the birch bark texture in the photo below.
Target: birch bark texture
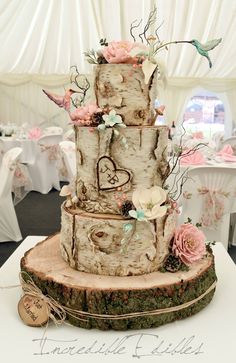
{"x": 101, "y": 244}
{"x": 104, "y": 165}
{"x": 121, "y": 87}
{"x": 95, "y": 237}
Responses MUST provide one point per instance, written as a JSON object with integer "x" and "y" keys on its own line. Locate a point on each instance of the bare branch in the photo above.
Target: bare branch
{"x": 82, "y": 83}
{"x": 151, "y": 20}
{"x": 180, "y": 177}
{"x": 156, "y": 32}
{"x": 132, "y": 26}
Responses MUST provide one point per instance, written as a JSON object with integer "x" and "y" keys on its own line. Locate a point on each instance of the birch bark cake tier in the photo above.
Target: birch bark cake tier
{"x": 100, "y": 244}
{"x": 123, "y": 88}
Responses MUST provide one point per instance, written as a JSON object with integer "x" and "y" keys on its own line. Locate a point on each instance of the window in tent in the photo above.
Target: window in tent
{"x": 205, "y": 113}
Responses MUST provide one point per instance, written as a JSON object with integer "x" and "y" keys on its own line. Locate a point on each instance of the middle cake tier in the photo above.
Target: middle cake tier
{"x": 112, "y": 163}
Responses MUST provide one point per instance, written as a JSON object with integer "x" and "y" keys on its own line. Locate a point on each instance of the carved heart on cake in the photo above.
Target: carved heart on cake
{"x": 109, "y": 176}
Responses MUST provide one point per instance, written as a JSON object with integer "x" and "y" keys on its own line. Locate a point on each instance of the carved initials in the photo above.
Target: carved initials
{"x": 109, "y": 176}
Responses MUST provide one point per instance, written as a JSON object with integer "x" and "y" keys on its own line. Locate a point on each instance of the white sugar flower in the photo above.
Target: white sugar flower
{"x": 112, "y": 119}
{"x": 149, "y": 201}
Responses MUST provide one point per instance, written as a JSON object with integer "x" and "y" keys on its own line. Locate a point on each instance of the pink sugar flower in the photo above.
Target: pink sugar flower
{"x": 189, "y": 243}
{"x": 82, "y": 115}
{"x": 119, "y": 52}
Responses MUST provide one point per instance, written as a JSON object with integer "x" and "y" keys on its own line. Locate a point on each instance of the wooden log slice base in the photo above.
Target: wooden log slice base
{"x": 115, "y": 295}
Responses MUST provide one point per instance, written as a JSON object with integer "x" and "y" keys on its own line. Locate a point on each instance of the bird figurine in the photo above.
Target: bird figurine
{"x": 61, "y": 101}
{"x": 203, "y": 49}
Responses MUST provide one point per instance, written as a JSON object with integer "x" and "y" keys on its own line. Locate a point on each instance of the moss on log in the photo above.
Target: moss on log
{"x": 109, "y": 295}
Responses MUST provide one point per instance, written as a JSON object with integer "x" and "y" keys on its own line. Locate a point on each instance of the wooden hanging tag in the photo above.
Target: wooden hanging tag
{"x": 33, "y": 310}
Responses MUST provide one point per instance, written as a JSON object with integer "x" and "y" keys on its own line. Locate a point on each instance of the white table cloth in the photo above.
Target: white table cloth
{"x": 28, "y": 147}
{"x": 209, "y": 336}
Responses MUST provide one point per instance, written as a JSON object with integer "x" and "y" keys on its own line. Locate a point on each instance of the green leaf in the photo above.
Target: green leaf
{"x": 127, "y": 227}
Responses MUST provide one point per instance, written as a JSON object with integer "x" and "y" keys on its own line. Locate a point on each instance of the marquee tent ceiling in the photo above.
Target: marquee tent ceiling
{"x": 48, "y": 36}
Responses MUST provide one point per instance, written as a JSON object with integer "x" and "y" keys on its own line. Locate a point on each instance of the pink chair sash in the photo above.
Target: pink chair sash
{"x": 213, "y": 207}
{"x": 53, "y": 151}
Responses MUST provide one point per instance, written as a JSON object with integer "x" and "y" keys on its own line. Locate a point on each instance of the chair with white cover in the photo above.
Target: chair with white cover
{"x": 53, "y": 130}
{"x": 69, "y": 135}
{"x": 69, "y": 157}
{"x": 209, "y": 198}
{"x": 44, "y": 171}
{"x": 218, "y": 137}
{"x": 9, "y": 227}
{"x": 232, "y": 142}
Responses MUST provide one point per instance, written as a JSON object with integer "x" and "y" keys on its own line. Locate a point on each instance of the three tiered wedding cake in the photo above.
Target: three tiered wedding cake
{"x": 121, "y": 261}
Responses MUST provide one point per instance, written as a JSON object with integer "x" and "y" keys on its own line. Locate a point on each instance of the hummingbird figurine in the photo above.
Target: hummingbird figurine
{"x": 203, "y": 49}
{"x": 61, "y": 101}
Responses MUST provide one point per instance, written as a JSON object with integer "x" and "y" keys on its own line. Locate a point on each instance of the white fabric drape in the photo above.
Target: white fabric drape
{"x": 41, "y": 39}
{"x": 175, "y": 98}
{"x": 23, "y": 102}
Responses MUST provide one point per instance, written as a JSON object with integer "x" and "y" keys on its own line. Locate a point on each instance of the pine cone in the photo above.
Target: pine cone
{"x": 101, "y": 60}
{"x": 172, "y": 263}
{"x": 97, "y": 118}
{"x": 126, "y": 207}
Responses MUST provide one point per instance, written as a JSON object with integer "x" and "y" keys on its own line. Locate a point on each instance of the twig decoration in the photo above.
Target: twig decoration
{"x": 151, "y": 20}
{"x": 82, "y": 83}
{"x": 132, "y": 26}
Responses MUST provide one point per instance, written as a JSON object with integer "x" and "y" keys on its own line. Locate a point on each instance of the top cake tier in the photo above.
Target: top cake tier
{"x": 122, "y": 87}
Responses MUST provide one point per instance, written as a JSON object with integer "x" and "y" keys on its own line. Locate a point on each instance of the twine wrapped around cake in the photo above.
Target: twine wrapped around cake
{"x": 119, "y": 297}
{"x": 58, "y": 313}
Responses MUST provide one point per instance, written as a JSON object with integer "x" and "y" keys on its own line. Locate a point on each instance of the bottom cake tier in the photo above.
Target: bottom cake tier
{"x": 119, "y": 303}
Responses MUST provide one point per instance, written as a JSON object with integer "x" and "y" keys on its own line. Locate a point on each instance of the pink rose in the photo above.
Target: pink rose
{"x": 189, "y": 243}
{"x": 118, "y": 52}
